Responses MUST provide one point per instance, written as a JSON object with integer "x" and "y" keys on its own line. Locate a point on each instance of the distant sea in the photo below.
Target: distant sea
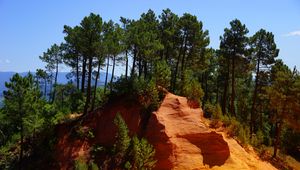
{"x": 61, "y": 79}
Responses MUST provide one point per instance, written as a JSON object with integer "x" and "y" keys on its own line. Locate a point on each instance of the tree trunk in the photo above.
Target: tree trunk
{"x": 22, "y": 146}
{"x": 232, "y": 108}
{"x": 77, "y": 72}
{"x": 183, "y": 60}
{"x": 217, "y": 94}
{"x": 140, "y": 67}
{"x": 224, "y": 101}
{"x": 45, "y": 88}
{"x": 62, "y": 98}
{"x": 126, "y": 69}
{"x": 88, "y": 96}
{"x": 55, "y": 82}
{"x": 278, "y": 126}
{"x": 254, "y": 98}
{"x": 83, "y": 74}
{"x": 206, "y": 88}
{"x": 51, "y": 86}
{"x": 96, "y": 83}
{"x": 112, "y": 73}
{"x": 107, "y": 65}
{"x": 22, "y": 136}
{"x": 145, "y": 69}
{"x": 176, "y": 68}
{"x": 134, "y": 60}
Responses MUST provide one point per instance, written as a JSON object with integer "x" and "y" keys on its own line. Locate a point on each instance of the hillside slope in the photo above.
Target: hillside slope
{"x": 177, "y": 131}
{"x": 183, "y": 141}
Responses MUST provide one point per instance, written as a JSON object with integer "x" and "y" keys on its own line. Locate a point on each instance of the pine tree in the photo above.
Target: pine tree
{"x": 264, "y": 52}
{"x": 53, "y": 57}
{"x": 233, "y": 48}
{"x": 22, "y": 100}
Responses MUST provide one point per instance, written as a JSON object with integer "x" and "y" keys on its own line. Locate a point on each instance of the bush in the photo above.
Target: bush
{"x": 147, "y": 93}
{"x": 162, "y": 74}
{"x": 139, "y": 88}
{"x": 257, "y": 139}
{"x": 233, "y": 126}
{"x": 122, "y": 137}
{"x": 142, "y": 154}
{"x": 213, "y": 111}
{"x": 123, "y": 85}
{"x": 101, "y": 97}
{"x": 80, "y": 164}
{"x": 131, "y": 153}
{"x": 190, "y": 87}
{"x": 243, "y": 134}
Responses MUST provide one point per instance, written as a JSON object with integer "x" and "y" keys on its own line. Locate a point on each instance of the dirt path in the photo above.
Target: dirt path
{"x": 183, "y": 141}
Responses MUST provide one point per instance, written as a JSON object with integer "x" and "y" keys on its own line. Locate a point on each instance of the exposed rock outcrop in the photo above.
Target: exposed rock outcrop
{"x": 183, "y": 141}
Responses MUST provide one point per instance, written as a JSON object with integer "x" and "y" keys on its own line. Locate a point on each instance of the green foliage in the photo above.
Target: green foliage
{"x": 127, "y": 165}
{"x": 257, "y": 139}
{"x": 131, "y": 153}
{"x": 139, "y": 88}
{"x": 162, "y": 74}
{"x": 143, "y": 154}
{"x": 80, "y": 164}
{"x": 68, "y": 98}
{"x": 190, "y": 87}
{"x": 213, "y": 111}
{"x": 9, "y": 158}
{"x": 290, "y": 141}
{"x": 101, "y": 97}
{"x": 122, "y": 137}
{"x": 147, "y": 93}
{"x": 164, "y": 48}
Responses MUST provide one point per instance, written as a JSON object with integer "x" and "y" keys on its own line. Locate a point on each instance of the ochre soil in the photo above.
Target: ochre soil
{"x": 177, "y": 130}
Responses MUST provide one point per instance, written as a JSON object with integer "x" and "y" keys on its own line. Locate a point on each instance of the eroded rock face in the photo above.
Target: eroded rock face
{"x": 183, "y": 141}
{"x": 177, "y": 131}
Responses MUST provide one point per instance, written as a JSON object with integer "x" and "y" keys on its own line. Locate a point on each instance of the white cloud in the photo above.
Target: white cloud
{"x": 7, "y": 61}
{"x": 293, "y": 33}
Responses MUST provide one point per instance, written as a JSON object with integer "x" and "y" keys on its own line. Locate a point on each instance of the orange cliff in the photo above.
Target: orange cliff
{"x": 183, "y": 141}
{"x": 178, "y": 132}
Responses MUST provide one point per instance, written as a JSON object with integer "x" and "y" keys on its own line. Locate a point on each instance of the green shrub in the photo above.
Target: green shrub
{"x": 142, "y": 154}
{"x": 213, "y": 111}
{"x": 101, "y": 97}
{"x": 122, "y": 137}
{"x": 233, "y": 126}
{"x": 80, "y": 164}
{"x": 147, "y": 93}
{"x": 139, "y": 88}
{"x": 127, "y": 165}
{"x": 243, "y": 134}
{"x": 131, "y": 153}
{"x": 190, "y": 87}
{"x": 124, "y": 86}
{"x": 162, "y": 74}
{"x": 257, "y": 139}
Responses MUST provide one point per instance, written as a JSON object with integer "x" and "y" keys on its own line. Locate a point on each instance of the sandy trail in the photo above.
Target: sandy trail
{"x": 183, "y": 141}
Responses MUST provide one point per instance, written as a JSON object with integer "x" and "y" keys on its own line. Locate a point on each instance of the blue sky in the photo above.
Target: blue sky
{"x": 29, "y": 27}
